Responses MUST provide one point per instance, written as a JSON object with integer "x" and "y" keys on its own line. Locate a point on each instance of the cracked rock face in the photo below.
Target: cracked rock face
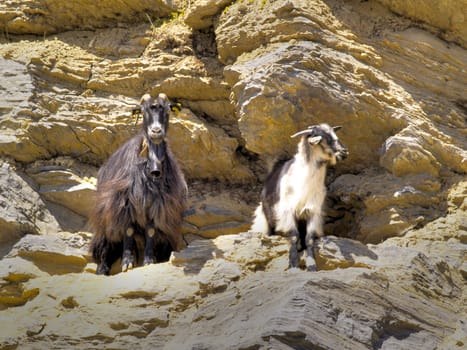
{"x": 246, "y": 75}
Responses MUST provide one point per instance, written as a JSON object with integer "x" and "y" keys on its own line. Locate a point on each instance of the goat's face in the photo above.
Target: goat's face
{"x": 324, "y": 143}
{"x": 155, "y": 117}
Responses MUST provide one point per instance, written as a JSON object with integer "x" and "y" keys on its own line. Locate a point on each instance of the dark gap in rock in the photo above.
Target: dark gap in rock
{"x": 204, "y": 42}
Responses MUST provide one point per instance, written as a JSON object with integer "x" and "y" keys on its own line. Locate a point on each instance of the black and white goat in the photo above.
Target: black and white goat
{"x": 141, "y": 195}
{"x": 294, "y": 192}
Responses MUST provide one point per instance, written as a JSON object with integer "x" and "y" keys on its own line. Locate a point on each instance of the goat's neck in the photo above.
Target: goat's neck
{"x": 311, "y": 160}
{"x": 156, "y": 148}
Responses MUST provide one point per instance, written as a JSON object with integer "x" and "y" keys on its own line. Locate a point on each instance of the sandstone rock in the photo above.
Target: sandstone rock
{"x": 389, "y": 206}
{"x": 419, "y": 151}
{"x": 14, "y": 273}
{"x": 16, "y": 86}
{"x": 205, "y": 151}
{"x": 457, "y": 197}
{"x": 64, "y": 186}
{"x": 201, "y": 13}
{"x": 300, "y": 93}
{"x": 395, "y": 85}
{"x": 215, "y": 215}
{"x": 333, "y": 253}
{"x": 269, "y": 308}
{"x": 54, "y": 254}
{"x": 43, "y": 17}
{"x": 23, "y": 211}
{"x": 403, "y": 156}
{"x": 445, "y": 15}
{"x": 246, "y": 26}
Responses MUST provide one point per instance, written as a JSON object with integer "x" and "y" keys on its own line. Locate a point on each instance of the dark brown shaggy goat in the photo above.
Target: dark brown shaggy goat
{"x": 141, "y": 196}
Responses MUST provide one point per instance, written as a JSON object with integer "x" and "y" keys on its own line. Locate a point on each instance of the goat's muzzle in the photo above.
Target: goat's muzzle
{"x": 342, "y": 154}
{"x": 156, "y": 135}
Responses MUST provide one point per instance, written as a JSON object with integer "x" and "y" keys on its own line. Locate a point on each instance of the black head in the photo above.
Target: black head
{"x": 155, "y": 117}
{"x": 323, "y": 139}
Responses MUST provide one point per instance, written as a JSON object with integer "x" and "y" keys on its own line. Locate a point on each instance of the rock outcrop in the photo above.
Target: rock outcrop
{"x": 247, "y": 75}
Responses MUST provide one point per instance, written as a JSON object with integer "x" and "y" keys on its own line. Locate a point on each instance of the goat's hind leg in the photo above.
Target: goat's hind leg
{"x": 293, "y": 253}
{"x": 128, "y": 257}
{"x": 149, "y": 246}
{"x": 105, "y": 254}
{"x": 313, "y": 230}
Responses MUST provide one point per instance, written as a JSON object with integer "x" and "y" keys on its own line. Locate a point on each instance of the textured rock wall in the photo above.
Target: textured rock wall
{"x": 248, "y": 74}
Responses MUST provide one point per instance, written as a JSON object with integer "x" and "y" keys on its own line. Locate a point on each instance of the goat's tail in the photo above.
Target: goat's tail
{"x": 260, "y": 224}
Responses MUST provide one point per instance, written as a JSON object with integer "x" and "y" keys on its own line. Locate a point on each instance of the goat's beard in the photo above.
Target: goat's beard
{"x": 157, "y": 140}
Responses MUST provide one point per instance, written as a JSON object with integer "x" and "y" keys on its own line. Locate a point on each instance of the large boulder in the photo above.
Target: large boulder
{"x": 23, "y": 210}
{"x": 43, "y": 17}
{"x": 448, "y": 16}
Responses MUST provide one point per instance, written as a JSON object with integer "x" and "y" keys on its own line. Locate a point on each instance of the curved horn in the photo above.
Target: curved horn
{"x": 163, "y": 97}
{"x": 145, "y": 98}
{"x": 336, "y": 128}
{"x": 303, "y": 132}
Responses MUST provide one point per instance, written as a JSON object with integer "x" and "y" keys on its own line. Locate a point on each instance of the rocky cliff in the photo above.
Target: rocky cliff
{"x": 248, "y": 74}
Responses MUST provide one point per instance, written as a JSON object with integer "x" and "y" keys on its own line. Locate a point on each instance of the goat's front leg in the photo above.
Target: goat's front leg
{"x": 313, "y": 229}
{"x": 128, "y": 258}
{"x": 149, "y": 246}
{"x": 293, "y": 253}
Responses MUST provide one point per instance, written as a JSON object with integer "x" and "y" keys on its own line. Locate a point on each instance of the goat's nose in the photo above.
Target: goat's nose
{"x": 343, "y": 154}
{"x": 156, "y": 130}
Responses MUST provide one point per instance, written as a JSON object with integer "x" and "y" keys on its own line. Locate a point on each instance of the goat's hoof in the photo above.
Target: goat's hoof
{"x": 148, "y": 261}
{"x": 126, "y": 267}
{"x": 311, "y": 264}
{"x": 102, "y": 269}
{"x": 127, "y": 264}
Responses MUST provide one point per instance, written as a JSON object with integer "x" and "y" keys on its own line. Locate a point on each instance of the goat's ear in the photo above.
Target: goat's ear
{"x": 136, "y": 110}
{"x": 337, "y": 128}
{"x": 314, "y": 140}
{"x": 175, "y": 107}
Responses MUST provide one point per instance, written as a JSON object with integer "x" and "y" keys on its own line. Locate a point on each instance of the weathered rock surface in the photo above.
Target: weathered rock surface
{"x": 446, "y": 16}
{"x": 247, "y": 74}
{"x": 43, "y": 17}
{"x": 23, "y": 210}
{"x": 233, "y": 292}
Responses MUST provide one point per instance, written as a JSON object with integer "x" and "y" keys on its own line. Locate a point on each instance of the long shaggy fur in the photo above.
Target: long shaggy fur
{"x": 128, "y": 197}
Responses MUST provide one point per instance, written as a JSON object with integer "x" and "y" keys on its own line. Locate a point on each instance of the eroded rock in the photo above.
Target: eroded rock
{"x": 23, "y": 210}
{"x": 43, "y": 17}
{"x": 394, "y": 84}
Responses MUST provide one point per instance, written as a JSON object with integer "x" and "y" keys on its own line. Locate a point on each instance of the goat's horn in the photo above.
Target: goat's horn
{"x": 303, "y": 132}
{"x": 163, "y": 97}
{"x": 145, "y": 98}
{"x": 336, "y": 128}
